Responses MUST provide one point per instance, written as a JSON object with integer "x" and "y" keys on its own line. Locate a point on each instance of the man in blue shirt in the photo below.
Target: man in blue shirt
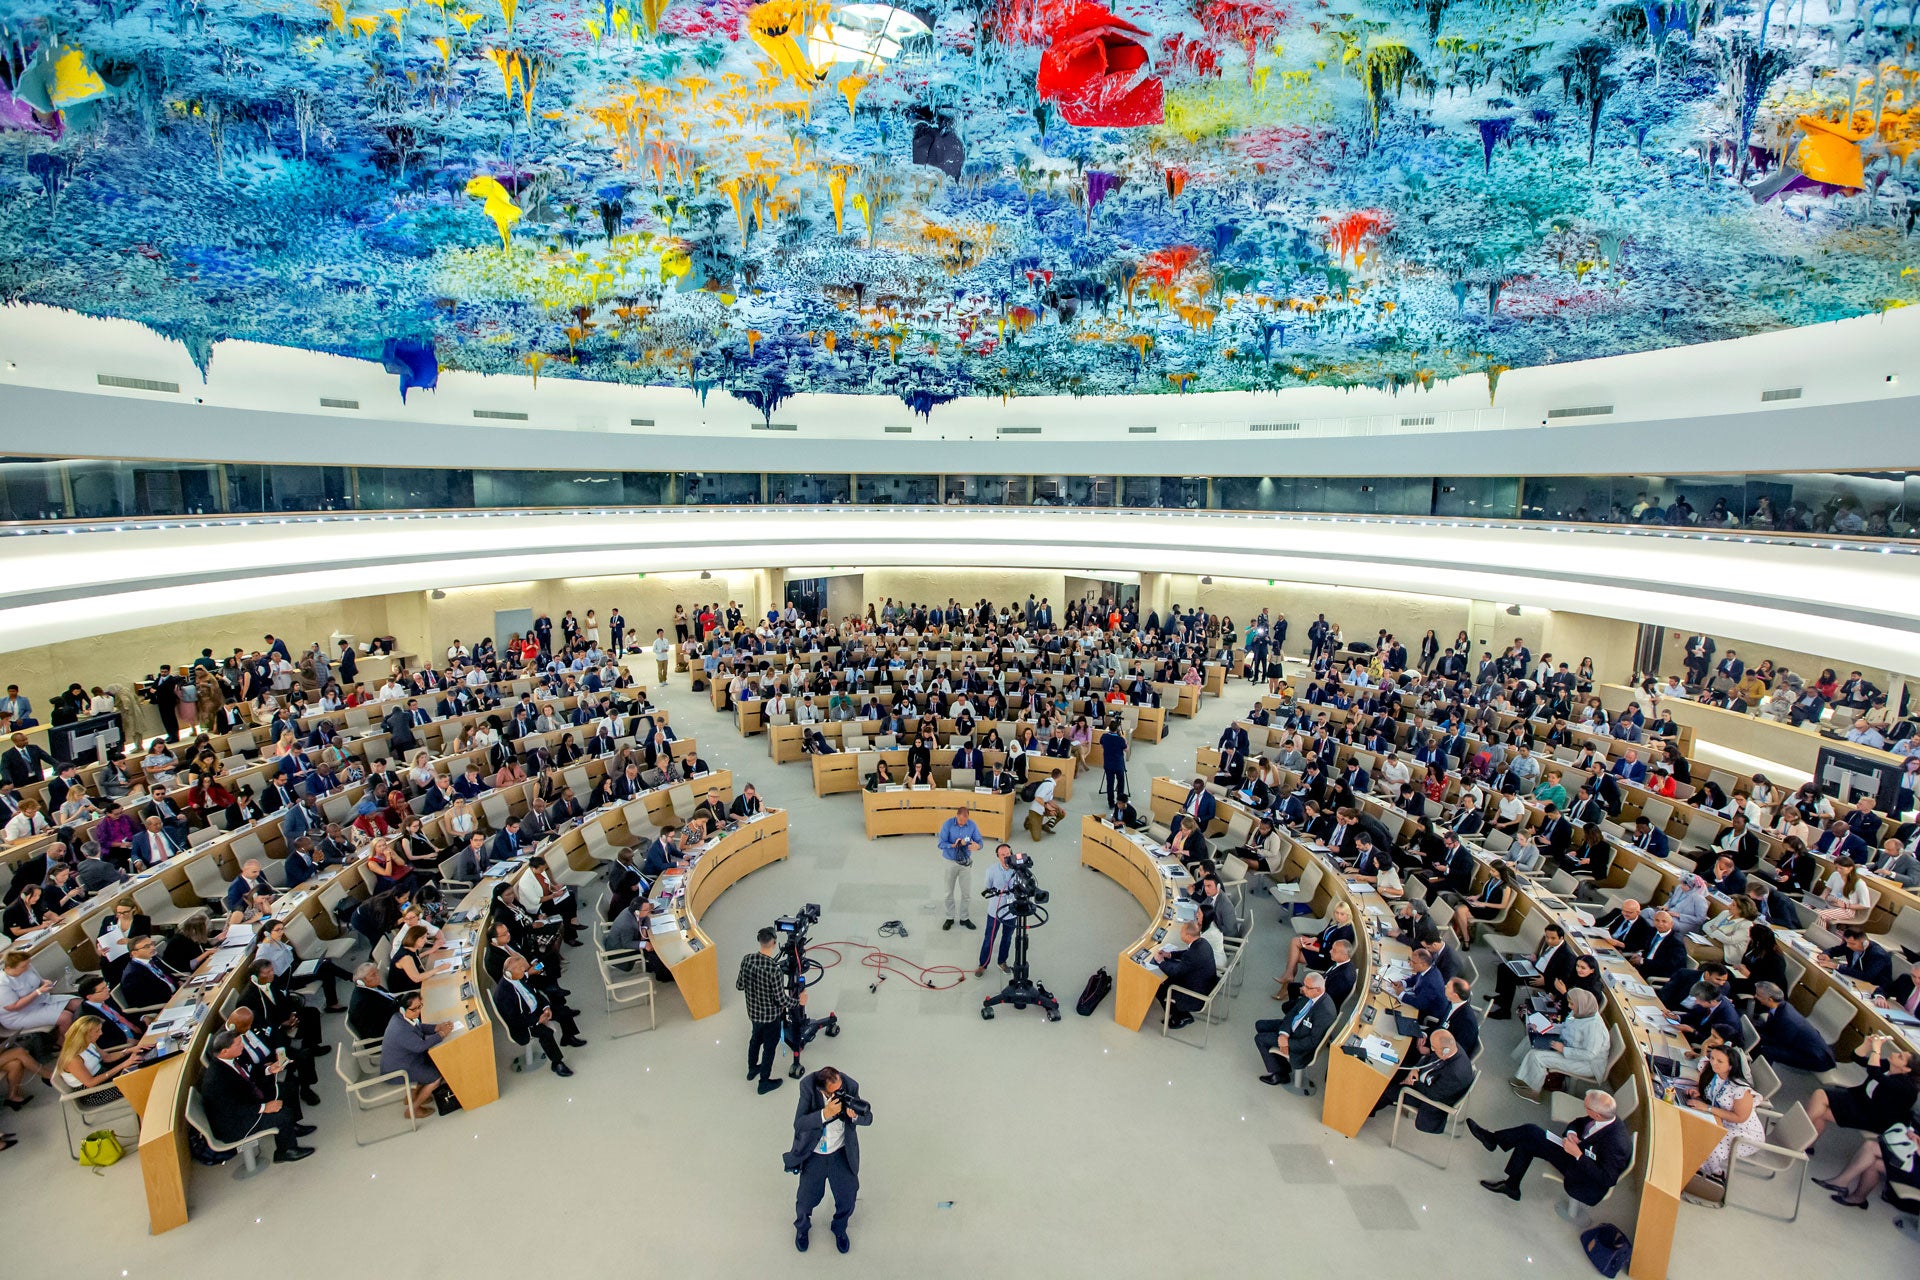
{"x": 959, "y": 839}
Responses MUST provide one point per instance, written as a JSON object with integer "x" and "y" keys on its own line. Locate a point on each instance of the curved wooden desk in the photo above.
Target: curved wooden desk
{"x": 465, "y": 1057}
{"x": 904, "y": 812}
{"x": 1130, "y": 859}
{"x": 679, "y": 901}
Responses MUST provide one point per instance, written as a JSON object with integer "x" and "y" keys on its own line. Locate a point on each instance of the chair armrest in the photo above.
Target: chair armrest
{"x": 1421, "y": 1097}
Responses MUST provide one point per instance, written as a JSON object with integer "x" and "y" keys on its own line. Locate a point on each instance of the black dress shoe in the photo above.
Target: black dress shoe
{"x": 302, "y": 1130}
{"x": 769, "y": 1085}
{"x": 1482, "y": 1135}
{"x": 1273, "y": 1078}
{"x": 573, "y": 1042}
{"x": 800, "y": 1237}
{"x": 1501, "y": 1187}
{"x": 968, "y": 924}
{"x": 562, "y": 1069}
{"x": 843, "y": 1244}
{"x": 943, "y": 928}
{"x": 309, "y": 1097}
{"x": 292, "y": 1154}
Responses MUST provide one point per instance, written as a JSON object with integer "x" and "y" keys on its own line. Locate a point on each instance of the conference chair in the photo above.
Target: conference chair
{"x": 1781, "y": 1160}
{"x": 369, "y": 1092}
{"x": 94, "y": 1109}
{"x": 1408, "y": 1103}
{"x": 624, "y": 990}
{"x": 248, "y": 1146}
{"x": 1581, "y": 1215}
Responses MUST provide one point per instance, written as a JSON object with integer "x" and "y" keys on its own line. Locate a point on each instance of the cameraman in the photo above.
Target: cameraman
{"x": 763, "y": 976}
{"x": 959, "y": 838}
{"x": 826, "y": 1150}
{"x": 1000, "y": 915}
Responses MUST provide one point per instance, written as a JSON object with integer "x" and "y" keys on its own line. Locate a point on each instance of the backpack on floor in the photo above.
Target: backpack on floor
{"x": 1093, "y": 993}
{"x": 1608, "y": 1249}
{"x": 1031, "y": 790}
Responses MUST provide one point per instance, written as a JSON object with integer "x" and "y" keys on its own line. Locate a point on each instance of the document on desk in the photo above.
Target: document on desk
{"x": 1379, "y": 1050}
{"x": 1633, "y": 986}
{"x": 1651, "y": 1017}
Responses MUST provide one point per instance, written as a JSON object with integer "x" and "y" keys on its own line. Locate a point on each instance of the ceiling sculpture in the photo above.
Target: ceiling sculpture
{"x": 971, "y": 197}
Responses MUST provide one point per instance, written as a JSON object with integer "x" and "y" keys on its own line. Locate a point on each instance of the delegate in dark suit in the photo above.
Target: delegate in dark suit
{"x": 1305, "y": 1023}
{"x": 1192, "y": 969}
{"x": 522, "y": 1006}
{"x": 1437, "y": 1080}
{"x": 1789, "y": 1040}
{"x": 1605, "y": 1152}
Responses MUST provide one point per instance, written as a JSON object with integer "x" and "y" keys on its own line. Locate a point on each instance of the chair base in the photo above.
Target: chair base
{"x": 1573, "y": 1211}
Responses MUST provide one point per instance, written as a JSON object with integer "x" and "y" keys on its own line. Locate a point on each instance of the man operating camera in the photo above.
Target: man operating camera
{"x": 826, "y": 1151}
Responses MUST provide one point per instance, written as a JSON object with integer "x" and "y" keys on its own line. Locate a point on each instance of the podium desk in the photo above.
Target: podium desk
{"x": 922, "y": 811}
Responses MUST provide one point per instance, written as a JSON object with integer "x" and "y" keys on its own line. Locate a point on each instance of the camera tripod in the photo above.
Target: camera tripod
{"x": 1021, "y": 990}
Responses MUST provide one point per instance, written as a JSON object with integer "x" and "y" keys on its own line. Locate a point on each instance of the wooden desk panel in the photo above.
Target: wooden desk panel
{"x": 719, "y": 865}
{"x": 1116, "y": 855}
{"x": 896, "y": 813}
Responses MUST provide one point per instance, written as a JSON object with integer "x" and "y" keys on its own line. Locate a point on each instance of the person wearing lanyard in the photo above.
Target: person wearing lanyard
{"x": 826, "y": 1151}
{"x": 959, "y": 837}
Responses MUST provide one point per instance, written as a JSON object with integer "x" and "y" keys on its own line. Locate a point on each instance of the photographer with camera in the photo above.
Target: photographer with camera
{"x": 826, "y": 1151}
{"x": 959, "y": 838}
{"x": 1000, "y": 916}
{"x": 763, "y": 977}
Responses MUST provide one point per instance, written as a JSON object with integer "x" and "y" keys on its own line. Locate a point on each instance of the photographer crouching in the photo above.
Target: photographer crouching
{"x": 826, "y": 1151}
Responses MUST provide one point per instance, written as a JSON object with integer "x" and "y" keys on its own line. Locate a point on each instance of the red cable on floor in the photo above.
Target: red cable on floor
{"x": 879, "y": 960}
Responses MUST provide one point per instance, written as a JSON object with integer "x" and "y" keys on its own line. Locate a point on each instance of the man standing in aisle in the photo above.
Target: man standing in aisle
{"x": 1113, "y": 761}
{"x": 826, "y": 1151}
{"x": 959, "y": 838}
{"x": 763, "y": 977}
{"x": 661, "y": 649}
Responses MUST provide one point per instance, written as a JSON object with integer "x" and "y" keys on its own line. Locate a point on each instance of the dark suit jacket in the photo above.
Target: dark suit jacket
{"x": 1873, "y": 965}
{"x": 807, "y": 1125}
{"x": 369, "y": 1010}
{"x": 1786, "y": 1037}
{"x": 1603, "y": 1162}
{"x": 1193, "y": 968}
{"x": 1667, "y": 960}
{"x": 1448, "y": 1084}
{"x": 142, "y": 989}
{"x": 1304, "y": 1043}
{"x": 1340, "y": 980}
{"x": 231, "y": 1099}
{"x": 514, "y": 1012}
{"x": 1464, "y": 1023}
{"x": 1427, "y": 994}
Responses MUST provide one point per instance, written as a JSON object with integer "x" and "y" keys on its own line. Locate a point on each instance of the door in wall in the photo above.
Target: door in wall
{"x": 808, "y": 595}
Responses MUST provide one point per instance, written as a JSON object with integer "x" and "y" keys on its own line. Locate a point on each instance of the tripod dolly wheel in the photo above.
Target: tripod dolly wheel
{"x": 795, "y": 1071}
{"x": 833, "y": 1029}
{"x": 986, "y": 1014}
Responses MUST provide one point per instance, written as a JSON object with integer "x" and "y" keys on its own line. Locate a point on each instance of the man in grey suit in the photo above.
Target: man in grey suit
{"x": 826, "y": 1151}
{"x": 1287, "y": 1043}
{"x": 406, "y": 1047}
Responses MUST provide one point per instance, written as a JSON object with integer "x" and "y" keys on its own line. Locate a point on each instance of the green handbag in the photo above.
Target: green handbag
{"x": 100, "y": 1149}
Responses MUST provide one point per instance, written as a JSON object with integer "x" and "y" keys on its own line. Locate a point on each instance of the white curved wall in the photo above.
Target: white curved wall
{"x": 1858, "y": 607}
{"x": 1688, "y": 409}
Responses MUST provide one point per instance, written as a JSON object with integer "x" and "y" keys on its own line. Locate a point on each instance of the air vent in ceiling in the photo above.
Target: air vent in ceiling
{"x": 1780, "y": 393}
{"x": 1142, "y": 431}
{"x": 1018, "y": 431}
{"x": 1583, "y": 411}
{"x": 504, "y": 415}
{"x": 326, "y": 403}
{"x": 775, "y": 426}
{"x": 639, "y": 422}
{"x": 898, "y": 431}
{"x": 1417, "y": 422}
{"x": 1273, "y": 426}
{"x": 137, "y": 384}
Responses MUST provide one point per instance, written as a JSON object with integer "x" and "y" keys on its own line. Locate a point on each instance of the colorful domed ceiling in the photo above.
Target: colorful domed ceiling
{"x": 1014, "y": 197}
